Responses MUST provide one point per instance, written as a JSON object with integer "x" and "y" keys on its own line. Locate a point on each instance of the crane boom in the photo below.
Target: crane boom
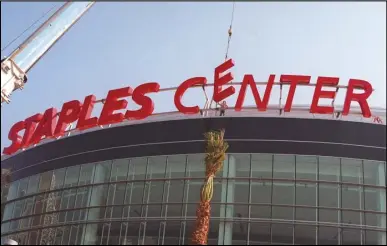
{"x": 15, "y": 67}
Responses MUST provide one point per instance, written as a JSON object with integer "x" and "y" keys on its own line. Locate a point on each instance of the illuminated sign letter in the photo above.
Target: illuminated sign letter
{"x": 15, "y": 138}
{"x": 30, "y": 124}
{"x": 360, "y": 98}
{"x": 68, "y": 114}
{"x": 112, "y": 103}
{"x": 248, "y": 79}
{"x": 147, "y": 105}
{"x": 319, "y": 93}
{"x": 181, "y": 90}
{"x": 45, "y": 127}
{"x": 220, "y": 95}
{"x": 293, "y": 80}
{"x": 84, "y": 121}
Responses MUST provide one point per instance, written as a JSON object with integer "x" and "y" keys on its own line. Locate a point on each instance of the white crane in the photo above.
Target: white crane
{"x": 15, "y": 67}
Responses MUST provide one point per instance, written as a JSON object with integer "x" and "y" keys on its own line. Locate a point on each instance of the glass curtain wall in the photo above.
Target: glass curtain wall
{"x": 258, "y": 199}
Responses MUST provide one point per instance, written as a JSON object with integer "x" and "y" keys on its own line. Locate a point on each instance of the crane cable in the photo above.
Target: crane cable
{"x": 28, "y": 28}
{"x": 228, "y": 42}
{"x": 230, "y": 30}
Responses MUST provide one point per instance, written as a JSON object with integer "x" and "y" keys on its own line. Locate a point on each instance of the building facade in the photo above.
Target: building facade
{"x": 286, "y": 180}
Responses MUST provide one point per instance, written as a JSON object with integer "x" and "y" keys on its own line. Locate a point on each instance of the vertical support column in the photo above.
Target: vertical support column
{"x": 382, "y": 202}
{"x": 95, "y": 198}
{"x": 339, "y": 205}
{"x": 317, "y": 198}
{"x": 227, "y": 196}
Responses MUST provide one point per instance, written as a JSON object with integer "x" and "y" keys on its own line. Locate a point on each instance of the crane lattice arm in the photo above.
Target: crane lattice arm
{"x": 15, "y": 67}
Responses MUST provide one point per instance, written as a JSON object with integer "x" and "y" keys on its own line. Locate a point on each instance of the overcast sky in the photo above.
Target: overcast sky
{"x": 124, "y": 43}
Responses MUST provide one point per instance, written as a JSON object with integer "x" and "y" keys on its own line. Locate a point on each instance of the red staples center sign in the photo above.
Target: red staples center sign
{"x": 52, "y": 124}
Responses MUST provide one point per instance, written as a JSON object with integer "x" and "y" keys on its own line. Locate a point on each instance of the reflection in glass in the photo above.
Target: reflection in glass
{"x": 329, "y": 168}
{"x": 153, "y": 200}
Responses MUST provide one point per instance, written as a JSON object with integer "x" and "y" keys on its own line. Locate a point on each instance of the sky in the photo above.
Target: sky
{"x": 119, "y": 44}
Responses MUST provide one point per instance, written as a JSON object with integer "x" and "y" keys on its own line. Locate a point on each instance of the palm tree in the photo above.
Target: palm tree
{"x": 216, "y": 149}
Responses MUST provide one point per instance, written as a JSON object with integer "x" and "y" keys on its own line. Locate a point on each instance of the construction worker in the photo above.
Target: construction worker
{"x": 223, "y": 107}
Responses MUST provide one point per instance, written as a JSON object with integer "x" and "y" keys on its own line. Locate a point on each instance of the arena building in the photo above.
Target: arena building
{"x": 290, "y": 177}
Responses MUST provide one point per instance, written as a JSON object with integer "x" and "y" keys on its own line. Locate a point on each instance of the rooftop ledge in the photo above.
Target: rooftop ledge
{"x": 297, "y": 111}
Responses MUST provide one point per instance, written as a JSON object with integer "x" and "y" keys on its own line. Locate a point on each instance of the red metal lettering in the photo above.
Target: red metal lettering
{"x": 219, "y": 81}
{"x": 181, "y": 90}
{"x": 293, "y": 80}
{"x": 360, "y": 98}
{"x": 147, "y": 105}
{"x": 248, "y": 79}
{"x": 46, "y": 126}
{"x": 30, "y": 126}
{"x": 84, "y": 121}
{"x": 15, "y": 138}
{"x": 319, "y": 93}
{"x": 68, "y": 114}
{"x": 112, "y": 104}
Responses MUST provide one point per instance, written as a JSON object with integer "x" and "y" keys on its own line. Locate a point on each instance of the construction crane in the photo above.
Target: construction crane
{"x": 15, "y": 67}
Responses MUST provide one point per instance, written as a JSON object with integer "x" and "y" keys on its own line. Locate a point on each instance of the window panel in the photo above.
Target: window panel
{"x": 282, "y": 213}
{"x": 87, "y": 174}
{"x": 72, "y": 176}
{"x": 284, "y": 167}
{"x": 375, "y": 237}
{"x": 328, "y": 195}
{"x": 328, "y": 215}
{"x": 306, "y": 214}
{"x": 22, "y": 189}
{"x": 282, "y": 234}
{"x": 240, "y": 211}
{"x": 5, "y": 227}
{"x": 172, "y": 232}
{"x": 352, "y": 197}
{"x": 196, "y": 166}
{"x": 375, "y": 199}
{"x": 351, "y": 217}
{"x": 260, "y": 234}
{"x": 374, "y": 173}
{"x": 351, "y": 236}
{"x": 242, "y": 165}
{"x": 177, "y": 165}
{"x": 154, "y": 210}
{"x": 102, "y": 172}
{"x": 262, "y": 165}
{"x": 114, "y": 233}
{"x": 156, "y": 167}
{"x": 13, "y": 190}
{"x": 139, "y": 166}
{"x": 261, "y": 192}
{"x": 306, "y": 194}
{"x": 351, "y": 171}
{"x": 306, "y": 168}
{"x": 373, "y": 219}
{"x": 33, "y": 237}
{"x": 261, "y": 212}
{"x": 328, "y": 235}
{"x": 45, "y": 181}
{"x": 33, "y": 184}
{"x": 305, "y": 235}
{"x": 156, "y": 189}
{"x": 194, "y": 191}
{"x": 329, "y": 168}
{"x": 241, "y": 191}
{"x": 283, "y": 193}
{"x": 8, "y": 210}
{"x": 120, "y": 170}
{"x": 239, "y": 233}
{"x": 137, "y": 192}
{"x": 59, "y": 175}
